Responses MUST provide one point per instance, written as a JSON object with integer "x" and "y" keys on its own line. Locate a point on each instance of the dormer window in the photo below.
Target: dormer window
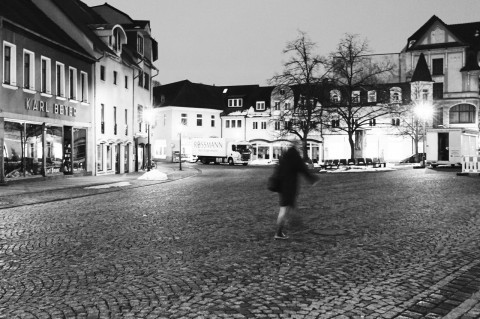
{"x": 235, "y": 102}
{"x": 355, "y": 96}
{"x": 260, "y": 105}
{"x": 372, "y": 96}
{"x": 335, "y": 96}
{"x": 395, "y": 95}
{"x": 140, "y": 44}
{"x": 117, "y": 38}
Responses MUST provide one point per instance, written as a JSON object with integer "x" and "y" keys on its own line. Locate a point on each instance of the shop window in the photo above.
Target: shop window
{"x": 9, "y": 64}
{"x": 28, "y": 70}
{"x": 54, "y": 156}
{"x": 462, "y": 114}
{"x": 60, "y": 79}
{"x": 79, "y": 149}
{"x": 46, "y": 75}
{"x": 72, "y": 83}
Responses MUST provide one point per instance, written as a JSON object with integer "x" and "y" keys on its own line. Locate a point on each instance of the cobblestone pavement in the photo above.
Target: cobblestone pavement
{"x": 399, "y": 244}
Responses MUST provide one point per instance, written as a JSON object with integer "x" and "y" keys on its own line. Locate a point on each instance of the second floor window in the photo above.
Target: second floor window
{"x": 72, "y": 83}
{"x": 9, "y": 64}
{"x": 126, "y": 81}
{"x": 46, "y": 76}
{"x": 212, "y": 121}
{"x": 60, "y": 80}
{"x": 276, "y": 106}
{"x": 462, "y": 114}
{"x": 115, "y": 120}
{"x": 83, "y": 87}
{"x": 126, "y": 122}
{"x": 28, "y": 70}
{"x": 264, "y": 125}
{"x": 115, "y": 77}
{"x": 199, "y": 120}
{"x": 255, "y": 125}
{"x": 278, "y": 125}
{"x": 183, "y": 119}
{"x": 146, "y": 81}
{"x": 102, "y": 118}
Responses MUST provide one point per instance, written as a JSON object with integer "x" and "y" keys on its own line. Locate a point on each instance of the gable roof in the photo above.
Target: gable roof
{"x": 26, "y": 14}
{"x": 421, "y": 73}
{"x": 187, "y": 94}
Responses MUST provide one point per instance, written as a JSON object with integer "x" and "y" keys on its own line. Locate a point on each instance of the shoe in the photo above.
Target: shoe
{"x": 282, "y": 237}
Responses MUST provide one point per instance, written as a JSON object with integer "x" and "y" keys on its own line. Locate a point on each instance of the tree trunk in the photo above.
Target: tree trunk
{"x": 304, "y": 148}
{"x": 352, "y": 145}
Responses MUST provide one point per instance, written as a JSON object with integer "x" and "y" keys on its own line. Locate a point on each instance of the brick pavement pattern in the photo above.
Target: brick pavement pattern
{"x": 400, "y": 244}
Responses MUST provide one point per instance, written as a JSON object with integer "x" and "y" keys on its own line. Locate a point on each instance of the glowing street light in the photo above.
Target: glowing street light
{"x": 424, "y": 111}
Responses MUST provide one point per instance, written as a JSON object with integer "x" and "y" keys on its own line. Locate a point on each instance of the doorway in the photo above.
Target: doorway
{"x": 443, "y": 142}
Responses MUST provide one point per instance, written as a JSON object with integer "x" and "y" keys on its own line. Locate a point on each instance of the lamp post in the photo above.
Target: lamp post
{"x": 424, "y": 111}
{"x": 180, "y": 150}
{"x": 148, "y": 115}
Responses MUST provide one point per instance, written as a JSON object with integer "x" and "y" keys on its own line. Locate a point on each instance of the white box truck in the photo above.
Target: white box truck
{"x": 447, "y": 146}
{"x": 219, "y": 150}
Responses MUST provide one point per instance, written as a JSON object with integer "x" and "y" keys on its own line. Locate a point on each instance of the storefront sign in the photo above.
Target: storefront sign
{"x": 45, "y": 107}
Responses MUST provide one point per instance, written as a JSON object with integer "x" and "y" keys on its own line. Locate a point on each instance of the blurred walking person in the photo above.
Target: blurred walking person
{"x": 290, "y": 166}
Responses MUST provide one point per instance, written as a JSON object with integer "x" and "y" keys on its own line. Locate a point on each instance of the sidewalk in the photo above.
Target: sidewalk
{"x": 14, "y": 193}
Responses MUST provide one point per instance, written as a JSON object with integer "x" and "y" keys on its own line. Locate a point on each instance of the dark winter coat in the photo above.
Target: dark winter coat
{"x": 290, "y": 166}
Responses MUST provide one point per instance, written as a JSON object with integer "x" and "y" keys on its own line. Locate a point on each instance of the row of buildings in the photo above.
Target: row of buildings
{"x": 76, "y": 84}
{"x": 438, "y": 68}
{"x": 77, "y": 96}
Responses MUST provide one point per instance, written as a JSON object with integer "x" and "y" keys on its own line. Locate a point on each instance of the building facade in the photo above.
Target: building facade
{"x": 46, "y": 113}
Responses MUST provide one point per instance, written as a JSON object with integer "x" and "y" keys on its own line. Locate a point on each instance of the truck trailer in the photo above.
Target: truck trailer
{"x": 447, "y": 146}
{"x": 219, "y": 150}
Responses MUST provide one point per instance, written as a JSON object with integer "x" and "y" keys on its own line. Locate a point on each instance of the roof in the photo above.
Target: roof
{"x": 30, "y": 17}
{"x": 83, "y": 16}
{"x": 421, "y": 73}
{"x": 110, "y": 13}
{"x": 187, "y": 94}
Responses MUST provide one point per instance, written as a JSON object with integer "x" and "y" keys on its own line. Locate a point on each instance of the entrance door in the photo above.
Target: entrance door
{"x": 443, "y": 154}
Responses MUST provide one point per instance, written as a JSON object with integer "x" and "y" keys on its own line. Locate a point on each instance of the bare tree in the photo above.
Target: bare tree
{"x": 353, "y": 71}
{"x": 300, "y": 82}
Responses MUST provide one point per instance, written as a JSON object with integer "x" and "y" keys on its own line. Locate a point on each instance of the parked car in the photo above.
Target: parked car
{"x": 415, "y": 158}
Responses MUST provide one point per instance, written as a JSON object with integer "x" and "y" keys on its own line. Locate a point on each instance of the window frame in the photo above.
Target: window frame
{"x": 140, "y": 44}
{"x": 199, "y": 120}
{"x": 45, "y": 75}
{"x": 102, "y": 73}
{"x": 260, "y": 105}
{"x": 184, "y": 119}
{"x": 212, "y": 121}
{"x": 472, "y": 111}
{"x": 60, "y": 83}
{"x": 12, "y": 64}
{"x": 83, "y": 87}
{"x": 438, "y": 66}
{"x": 235, "y": 102}
{"x": 72, "y": 83}
{"x": 28, "y": 75}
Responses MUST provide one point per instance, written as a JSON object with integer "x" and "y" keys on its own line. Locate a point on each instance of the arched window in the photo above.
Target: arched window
{"x": 335, "y": 96}
{"x": 395, "y": 95}
{"x": 462, "y": 113}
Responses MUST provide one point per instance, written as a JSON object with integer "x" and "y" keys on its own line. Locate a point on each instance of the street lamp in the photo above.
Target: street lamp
{"x": 180, "y": 130}
{"x": 149, "y": 116}
{"x": 424, "y": 111}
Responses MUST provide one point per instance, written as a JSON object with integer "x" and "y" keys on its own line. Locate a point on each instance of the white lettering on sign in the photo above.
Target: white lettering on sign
{"x": 44, "y": 107}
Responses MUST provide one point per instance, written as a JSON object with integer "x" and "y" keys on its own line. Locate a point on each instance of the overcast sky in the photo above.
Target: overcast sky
{"x": 236, "y": 42}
